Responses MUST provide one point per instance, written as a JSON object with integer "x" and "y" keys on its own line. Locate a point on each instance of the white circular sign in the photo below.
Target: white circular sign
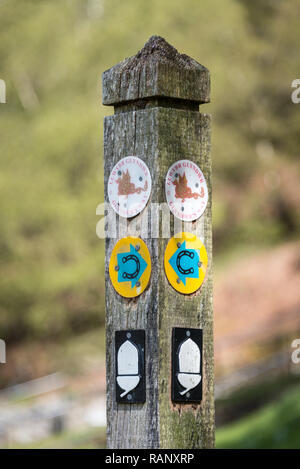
{"x": 186, "y": 190}
{"x": 129, "y": 186}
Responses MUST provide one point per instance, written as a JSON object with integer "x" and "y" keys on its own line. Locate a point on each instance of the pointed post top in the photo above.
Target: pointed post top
{"x": 157, "y": 71}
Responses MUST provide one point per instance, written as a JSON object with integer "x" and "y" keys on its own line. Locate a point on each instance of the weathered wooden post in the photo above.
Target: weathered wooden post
{"x": 156, "y": 96}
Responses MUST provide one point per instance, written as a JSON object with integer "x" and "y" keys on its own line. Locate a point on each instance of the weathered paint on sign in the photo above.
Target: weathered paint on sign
{"x": 129, "y": 186}
{"x": 186, "y": 190}
{"x": 130, "y": 266}
{"x": 130, "y": 366}
{"x": 186, "y": 365}
{"x": 185, "y": 262}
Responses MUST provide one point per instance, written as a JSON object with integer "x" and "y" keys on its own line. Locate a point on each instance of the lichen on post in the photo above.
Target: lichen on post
{"x": 156, "y": 96}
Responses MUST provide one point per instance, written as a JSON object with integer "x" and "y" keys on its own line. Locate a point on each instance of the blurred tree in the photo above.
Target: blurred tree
{"x": 52, "y": 55}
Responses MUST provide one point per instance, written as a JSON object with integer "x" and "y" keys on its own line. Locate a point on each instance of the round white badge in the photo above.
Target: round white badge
{"x": 186, "y": 190}
{"x": 129, "y": 186}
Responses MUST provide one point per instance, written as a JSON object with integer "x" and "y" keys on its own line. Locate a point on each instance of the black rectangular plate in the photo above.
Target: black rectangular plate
{"x": 180, "y": 335}
{"x": 137, "y": 337}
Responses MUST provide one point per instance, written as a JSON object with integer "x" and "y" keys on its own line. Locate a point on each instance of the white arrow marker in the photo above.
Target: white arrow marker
{"x": 128, "y": 367}
{"x": 189, "y": 365}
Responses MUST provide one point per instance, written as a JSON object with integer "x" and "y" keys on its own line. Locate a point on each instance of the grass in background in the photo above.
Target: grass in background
{"x": 274, "y": 426}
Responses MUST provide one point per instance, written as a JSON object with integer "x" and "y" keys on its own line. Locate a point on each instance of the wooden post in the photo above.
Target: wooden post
{"x": 156, "y": 96}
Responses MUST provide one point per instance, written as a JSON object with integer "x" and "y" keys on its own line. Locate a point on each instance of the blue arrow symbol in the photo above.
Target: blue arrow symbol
{"x": 131, "y": 266}
{"x": 185, "y": 263}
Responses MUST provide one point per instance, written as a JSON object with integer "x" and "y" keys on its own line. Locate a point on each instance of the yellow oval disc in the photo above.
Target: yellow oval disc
{"x": 185, "y": 262}
{"x": 130, "y": 266}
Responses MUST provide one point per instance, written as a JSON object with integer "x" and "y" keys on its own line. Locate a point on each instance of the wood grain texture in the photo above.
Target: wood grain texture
{"x": 160, "y": 135}
{"x": 186, "y": 135}
{"x": 157, "y": 70}
{"x": 132, "y": 426}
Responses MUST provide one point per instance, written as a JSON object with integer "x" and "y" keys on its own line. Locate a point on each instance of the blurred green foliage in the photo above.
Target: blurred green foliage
{"x": 275, "y": 426}
{"x": 52, "y": 55}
